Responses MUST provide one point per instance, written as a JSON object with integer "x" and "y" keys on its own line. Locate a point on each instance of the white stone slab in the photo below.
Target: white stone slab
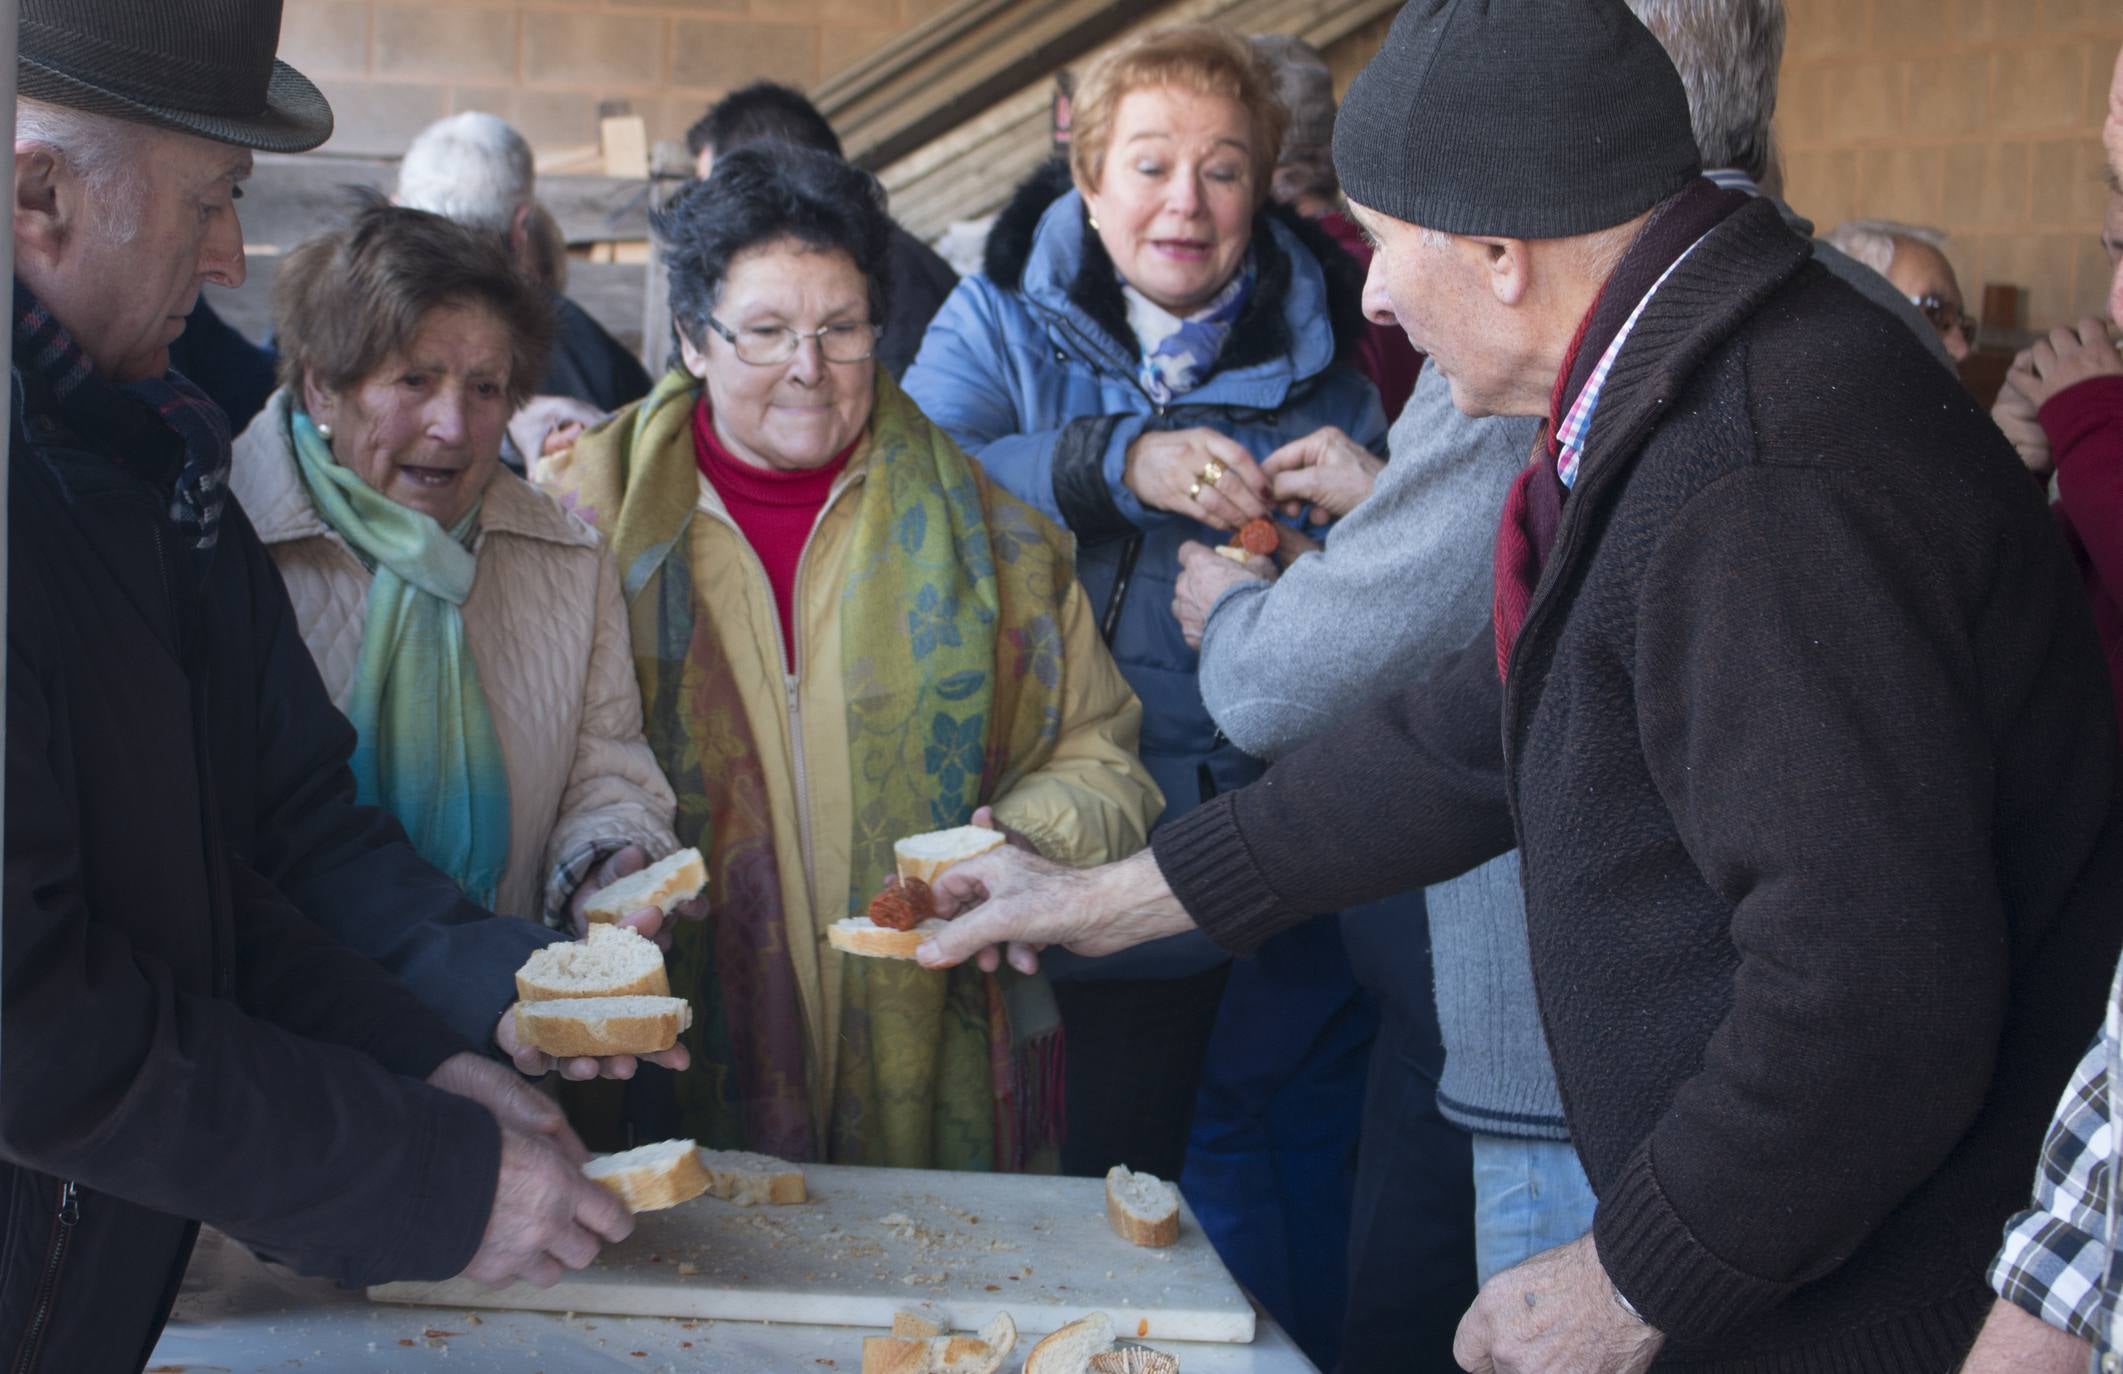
{"x": 872, "y": 1241}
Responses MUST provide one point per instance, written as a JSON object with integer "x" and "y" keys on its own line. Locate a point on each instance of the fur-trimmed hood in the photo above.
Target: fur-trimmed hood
{"x": 1289, "y": 251}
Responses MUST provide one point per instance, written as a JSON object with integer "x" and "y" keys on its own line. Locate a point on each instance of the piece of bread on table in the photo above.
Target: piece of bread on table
{"x": 1142, "y": 1207}
{"x": 914, "y": 1325}
{"x": 907, "y": 1353}
{"x": 600, "y": 1026}
{"x": 663, "y": 885}
{"x": 895, "y": 1355}
{"x": 1069, "y": 1350}
{"x": 649, "y": 1177}
{"x": 612, "y": 961}
{"x": 744, "y": 1178}
{"x": 861, "y": 935}
{"x": 927, "y": 856}
{"x": 1134, "y": 1359}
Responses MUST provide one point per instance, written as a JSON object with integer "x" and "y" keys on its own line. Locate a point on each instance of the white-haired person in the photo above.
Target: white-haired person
{"x": 475, "y": 168}
{"x": 1913, "y": 259}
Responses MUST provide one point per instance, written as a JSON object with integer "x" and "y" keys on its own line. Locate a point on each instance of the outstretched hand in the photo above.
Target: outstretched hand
{"x": 1017, "y": 902}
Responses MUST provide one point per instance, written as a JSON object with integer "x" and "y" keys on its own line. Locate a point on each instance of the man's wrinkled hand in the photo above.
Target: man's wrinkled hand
{"x": 509, "y": 1098}
{"x": 531, "y": 1060}
{"x": 1327, "y": 469}
{"x": 1204, "y": 576}
{"x": 1555, "y": 1314}
{"x": 546, "y": 1216}
{"x": 1015, "y": 901}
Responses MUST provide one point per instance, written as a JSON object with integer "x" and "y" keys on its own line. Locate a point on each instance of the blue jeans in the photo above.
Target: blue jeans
{"x": 1529, "y": 1196}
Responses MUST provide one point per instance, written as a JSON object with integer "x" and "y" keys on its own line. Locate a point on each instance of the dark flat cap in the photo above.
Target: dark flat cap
{"x": 1515, "y": 118}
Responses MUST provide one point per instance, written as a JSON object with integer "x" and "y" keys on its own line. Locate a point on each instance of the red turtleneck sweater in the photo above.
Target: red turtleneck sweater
{"x": 774, "y": 510}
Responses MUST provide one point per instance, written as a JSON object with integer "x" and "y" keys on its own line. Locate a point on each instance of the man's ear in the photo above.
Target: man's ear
{"x": 1510, "y": 269}
{"x": 44, "y": 204}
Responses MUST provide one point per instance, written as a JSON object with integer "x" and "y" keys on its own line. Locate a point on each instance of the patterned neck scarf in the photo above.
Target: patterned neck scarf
{"x": 1179, "y": 361}
{"x": 123, "y": 421}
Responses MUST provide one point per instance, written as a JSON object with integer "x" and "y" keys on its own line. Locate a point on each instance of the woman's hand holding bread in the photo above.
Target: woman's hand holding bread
{"x": 1009, "y": 898}
{"x": 647, "y": 920}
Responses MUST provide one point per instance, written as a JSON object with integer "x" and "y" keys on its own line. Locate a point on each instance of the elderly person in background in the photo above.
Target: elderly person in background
{"x": 767, "y": 112}
{"x": 1305, "y": 181}
{"x": 1785, "y": 699}
{"x": 181, "y": 1041}
{"x": 844, "y": 635}
{"x": 1912, "y": 257}
{"x": 469, "y": 627}
{"x": 1728, "y": 53}
{"x": 476, "y": 169}
{"x": 1135, "y": 346}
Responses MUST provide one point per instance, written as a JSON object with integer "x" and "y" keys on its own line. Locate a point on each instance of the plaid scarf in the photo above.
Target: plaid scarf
{"x": 134, "y": 422}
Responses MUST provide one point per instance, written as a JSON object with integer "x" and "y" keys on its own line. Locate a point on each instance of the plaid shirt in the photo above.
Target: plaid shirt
{"x": 1570, "y": 435}
{"x": 2058, "y": 1262}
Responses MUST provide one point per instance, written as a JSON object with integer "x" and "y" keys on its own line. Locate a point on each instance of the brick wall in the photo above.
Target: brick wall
{"x": 1981, "y": 117}
{"x": 391, "y": 66}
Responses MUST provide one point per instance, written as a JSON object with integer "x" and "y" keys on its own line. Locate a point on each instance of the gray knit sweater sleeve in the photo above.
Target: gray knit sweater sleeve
{"x": 1405, "y": 580}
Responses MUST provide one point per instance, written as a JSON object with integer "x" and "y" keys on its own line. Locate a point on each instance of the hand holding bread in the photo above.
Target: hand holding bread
{"x": 595, "y": 1006}
{"x": 546, "y": 1217}
{"x": 627, "y": 889}
{"x": 1016, "y": 900}
{"x": 901, "y": 915}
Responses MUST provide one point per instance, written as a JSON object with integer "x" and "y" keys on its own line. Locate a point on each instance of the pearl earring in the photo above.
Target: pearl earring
{"x": 324, "y": 432}
{"x": 1094, "y": 222}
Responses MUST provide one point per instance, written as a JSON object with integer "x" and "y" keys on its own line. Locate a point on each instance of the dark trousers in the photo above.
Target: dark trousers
{"x": 1411, "y": 1239}
{"x": 1132, "y": 1061}
{"x": 1271, "y": 1164}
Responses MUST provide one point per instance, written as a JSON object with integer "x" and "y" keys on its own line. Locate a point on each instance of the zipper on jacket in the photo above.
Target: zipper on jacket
{"x": 64, "y": 1220}
{"x": 791, "y": 656}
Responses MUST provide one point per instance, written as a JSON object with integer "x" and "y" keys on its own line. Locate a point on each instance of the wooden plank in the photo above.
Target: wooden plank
{"x": 290, "y": 197}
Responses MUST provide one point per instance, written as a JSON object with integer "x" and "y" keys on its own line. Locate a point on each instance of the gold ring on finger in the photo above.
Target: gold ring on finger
{"x": 1194, "y": 492}
{"x": 1212, "y": 473}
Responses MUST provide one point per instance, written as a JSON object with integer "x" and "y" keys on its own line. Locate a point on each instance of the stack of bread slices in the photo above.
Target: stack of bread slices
{"x": 605, "y": 995}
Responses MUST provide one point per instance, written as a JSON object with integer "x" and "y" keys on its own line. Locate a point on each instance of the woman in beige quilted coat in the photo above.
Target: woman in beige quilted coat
{"x": 471, "y": 629}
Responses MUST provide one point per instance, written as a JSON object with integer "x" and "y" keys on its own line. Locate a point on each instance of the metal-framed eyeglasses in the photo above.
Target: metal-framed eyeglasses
{"x": 773, "y": 345}
{"x": 1946, "y": 316}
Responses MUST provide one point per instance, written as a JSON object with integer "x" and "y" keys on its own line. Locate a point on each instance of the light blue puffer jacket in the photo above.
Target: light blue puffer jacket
{"x": 1031, "y": 366}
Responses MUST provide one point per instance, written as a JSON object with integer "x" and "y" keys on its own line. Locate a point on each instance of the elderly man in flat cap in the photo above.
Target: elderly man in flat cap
{"x": 180, "y": 1042}
{"x": 1805, "y": 737}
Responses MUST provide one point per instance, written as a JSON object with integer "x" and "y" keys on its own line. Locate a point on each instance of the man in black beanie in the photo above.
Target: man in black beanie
{"x": 1806, "y": 741}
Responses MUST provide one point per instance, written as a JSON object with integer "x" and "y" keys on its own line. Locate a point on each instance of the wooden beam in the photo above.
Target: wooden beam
{"x": 955, "y": 66}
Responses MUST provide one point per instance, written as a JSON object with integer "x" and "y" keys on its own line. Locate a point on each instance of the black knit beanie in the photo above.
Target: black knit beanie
{"x": 1530, "y": 119}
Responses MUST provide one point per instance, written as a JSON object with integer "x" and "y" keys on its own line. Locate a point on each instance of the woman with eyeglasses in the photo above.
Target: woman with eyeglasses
{"x": 844, "y": 634}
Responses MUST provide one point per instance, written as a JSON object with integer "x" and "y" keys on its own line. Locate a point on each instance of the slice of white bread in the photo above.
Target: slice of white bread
{"x": 895, "y": 1355}
{"x": 914, "y": 1325}
{"x": 1134, "y": 1359}
{"x": 599, "y": 1026}
{"x": 649, "y": 1177}
{"x": 743, "y": 1178}
{"x": 1069, "y": 1350}
{"x": 1143, "y": 1208}
{"x": 905, "y": 1353}
{"x": 927, "y": 856}
{"x": 861, "y": 935}
{"x": 613, "y": 961}
{"x": 663, "y": 885}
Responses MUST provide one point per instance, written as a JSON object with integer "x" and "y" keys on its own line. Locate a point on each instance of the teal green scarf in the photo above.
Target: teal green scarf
{"x": 427, "y": 751}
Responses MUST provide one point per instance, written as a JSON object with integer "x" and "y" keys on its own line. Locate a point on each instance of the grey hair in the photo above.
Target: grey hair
{"x": 1306, "y": 88}
{"x": 1727, "y": 52}
{"x": 472, "y": 167}
{"x": 1871, "y": 241}
{"x": 105, "y": 153}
